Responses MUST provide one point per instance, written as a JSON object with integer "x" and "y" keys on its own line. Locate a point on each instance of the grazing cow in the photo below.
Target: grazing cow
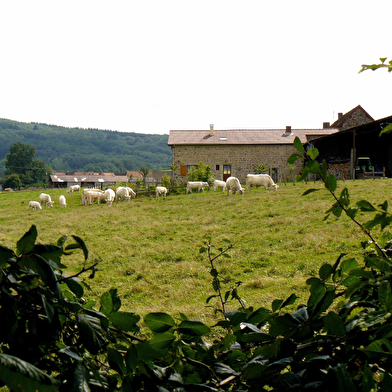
{"x": 91, "y": 194}
{"x": 130, "y": 191}
{"x": 34, "y": 205}
{"x": 199, "y": 185}
{"x": 257, "y": 180}
{"x": 219, "y": 185}
{"x": 74, "y": 188}
{"x": 45, "y": 200}
{"x": 233, "y": 185}
{"x": 109, "y": 196}
{"x": 160, "y": 190}
{"x": 122, "y": 193}
{"x": 62, "y": 201}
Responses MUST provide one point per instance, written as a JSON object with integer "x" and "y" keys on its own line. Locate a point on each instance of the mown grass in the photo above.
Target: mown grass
{"x": 149, "y": 248}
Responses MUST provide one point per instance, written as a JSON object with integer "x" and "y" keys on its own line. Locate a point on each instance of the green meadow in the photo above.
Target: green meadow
{"x": 149, "y": 249}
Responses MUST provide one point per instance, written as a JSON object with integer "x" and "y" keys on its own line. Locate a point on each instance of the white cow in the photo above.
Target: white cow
{"x": 109, "y": 196}
{"x": 74, "y": 188}
{"x": 160, "y": 190}
{"x": 34, "y": 205}
{"x": 219, "y": 185}
{"x": 122, "y": 193}
{"x": 45, "y": 200}
{"x": 131, "y": 192}
{"x": 63, "y": 202}
{"x": 257, "y": 180}
{"x": 199, "y": 185}
{"x": 89, "y": 195}
{"x": 233, "y": 185}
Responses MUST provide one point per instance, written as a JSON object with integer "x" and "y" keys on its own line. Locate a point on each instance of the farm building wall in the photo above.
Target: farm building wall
{"x": 241, "y": 158}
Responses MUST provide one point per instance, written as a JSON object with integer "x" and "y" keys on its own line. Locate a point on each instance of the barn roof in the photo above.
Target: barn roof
{"x": 245, "y": 136}
{"x": 88, "y": 177}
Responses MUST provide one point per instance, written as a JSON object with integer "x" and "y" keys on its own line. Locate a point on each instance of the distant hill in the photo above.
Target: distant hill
{"x": 66, "y": 149}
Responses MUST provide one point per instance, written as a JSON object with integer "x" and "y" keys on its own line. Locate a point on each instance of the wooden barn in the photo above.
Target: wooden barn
{"x": 85, "y": 180}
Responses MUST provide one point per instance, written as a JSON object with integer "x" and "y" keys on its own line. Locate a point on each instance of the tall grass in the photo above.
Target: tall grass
{"x": 149, "y": 248}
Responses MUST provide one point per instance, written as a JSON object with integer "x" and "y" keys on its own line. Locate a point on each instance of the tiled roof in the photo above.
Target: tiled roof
{"x": 245, "y": 136}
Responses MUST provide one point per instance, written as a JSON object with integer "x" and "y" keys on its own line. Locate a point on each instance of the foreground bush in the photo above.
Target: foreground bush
{"x": 339, "y": 340}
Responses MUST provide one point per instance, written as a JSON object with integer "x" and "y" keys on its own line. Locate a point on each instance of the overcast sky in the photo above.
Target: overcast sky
{"x": 152, "y": 66}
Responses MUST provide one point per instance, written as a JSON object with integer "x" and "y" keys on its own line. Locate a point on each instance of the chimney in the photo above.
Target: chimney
{"x": 340, "y": 115}
{"x": 326, "y": 125}
{"x": 288, "y": 130}
{"x": 211, "y": 129}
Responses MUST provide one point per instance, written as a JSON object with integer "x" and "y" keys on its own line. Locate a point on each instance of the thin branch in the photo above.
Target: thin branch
{"x": 77, "y": 274}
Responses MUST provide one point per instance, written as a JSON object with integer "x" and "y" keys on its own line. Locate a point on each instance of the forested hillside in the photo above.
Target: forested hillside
{"x": 79, "y": 149}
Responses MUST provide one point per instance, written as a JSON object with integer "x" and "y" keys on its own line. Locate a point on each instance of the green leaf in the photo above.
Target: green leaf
{"x": 159, "y": 322}
{"x": 49, "y": 309}
{"x": 352, "y": 211}
{"x": 78, "y": 245}
{"x": 276, "y": 304}
{"x": 26, "y": 243}
{"x": 125, "y": 321}
{"x": 334, "y": 325}
{"x": 193, "y": 328}
{"x": 365, "y": 206}
{"x": 385, "y": 294}
{"x": 386, "y": 383}
{"x": 293, "y": 158}
{"x": 162, "y": 341}
{"x": 379, "y": 347}
{"x": 343, "y": 378}
{"x": 313, "y": 153}
{"x": 386, "y": 130}
{"x": 110, "y": 302}
{"x": 91, "y": 333}
{"x": 74, "y": 285}
{"x": 51, "y": 253}
{"x": 330, "y": 183}
{"x": 40, "y": 266}
{"x": 6, "y": 254}
{"x": 284, "y": 325}
{"x": 147, "y": 353}
{"x": 325, "y": 271}
{"x": 80, "y": 380}
{"x": 348, "y": 265}
{"x": 21, "y": 376}
{"x": 310, "y": 191}
{"x": 298, "y": 144}
{"x": 116, "y": 361}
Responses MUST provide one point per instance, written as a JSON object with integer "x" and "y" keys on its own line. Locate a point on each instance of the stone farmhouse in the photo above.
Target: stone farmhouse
{"x": 234, "y": 152}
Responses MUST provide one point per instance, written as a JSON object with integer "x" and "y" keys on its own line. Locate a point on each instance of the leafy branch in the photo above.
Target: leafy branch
{"x": 216, "y": 282}
{"x": 342, "y": 203}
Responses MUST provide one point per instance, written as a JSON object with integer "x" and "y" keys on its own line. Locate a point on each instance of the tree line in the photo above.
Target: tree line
{"x": 67, "y": 149}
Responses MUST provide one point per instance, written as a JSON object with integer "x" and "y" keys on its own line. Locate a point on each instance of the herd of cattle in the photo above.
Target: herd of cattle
{"x": 89, "y": 195}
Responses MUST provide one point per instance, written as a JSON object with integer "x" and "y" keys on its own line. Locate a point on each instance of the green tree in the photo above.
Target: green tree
{"x": 202, "y": 172}
{"x": 144, "y": 172}
{"x": 260, "y": 169}
{"x": 13, "y": 181}
{"x": 20, "y": 160}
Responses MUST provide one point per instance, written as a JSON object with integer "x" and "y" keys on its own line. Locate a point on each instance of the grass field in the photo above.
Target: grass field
{"x": 149, "y": 248}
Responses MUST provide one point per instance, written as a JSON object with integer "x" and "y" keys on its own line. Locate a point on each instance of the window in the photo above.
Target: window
{"x": 226, "y": 169}
{"x": 217, "y": 167}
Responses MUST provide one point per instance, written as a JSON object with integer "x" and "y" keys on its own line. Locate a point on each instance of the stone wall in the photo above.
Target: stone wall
{"x": 241, "y": 158}
{"x": 356, "y": 119}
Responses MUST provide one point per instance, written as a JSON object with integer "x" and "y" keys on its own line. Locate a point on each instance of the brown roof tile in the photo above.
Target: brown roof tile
{"x": 245, "y": 136}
